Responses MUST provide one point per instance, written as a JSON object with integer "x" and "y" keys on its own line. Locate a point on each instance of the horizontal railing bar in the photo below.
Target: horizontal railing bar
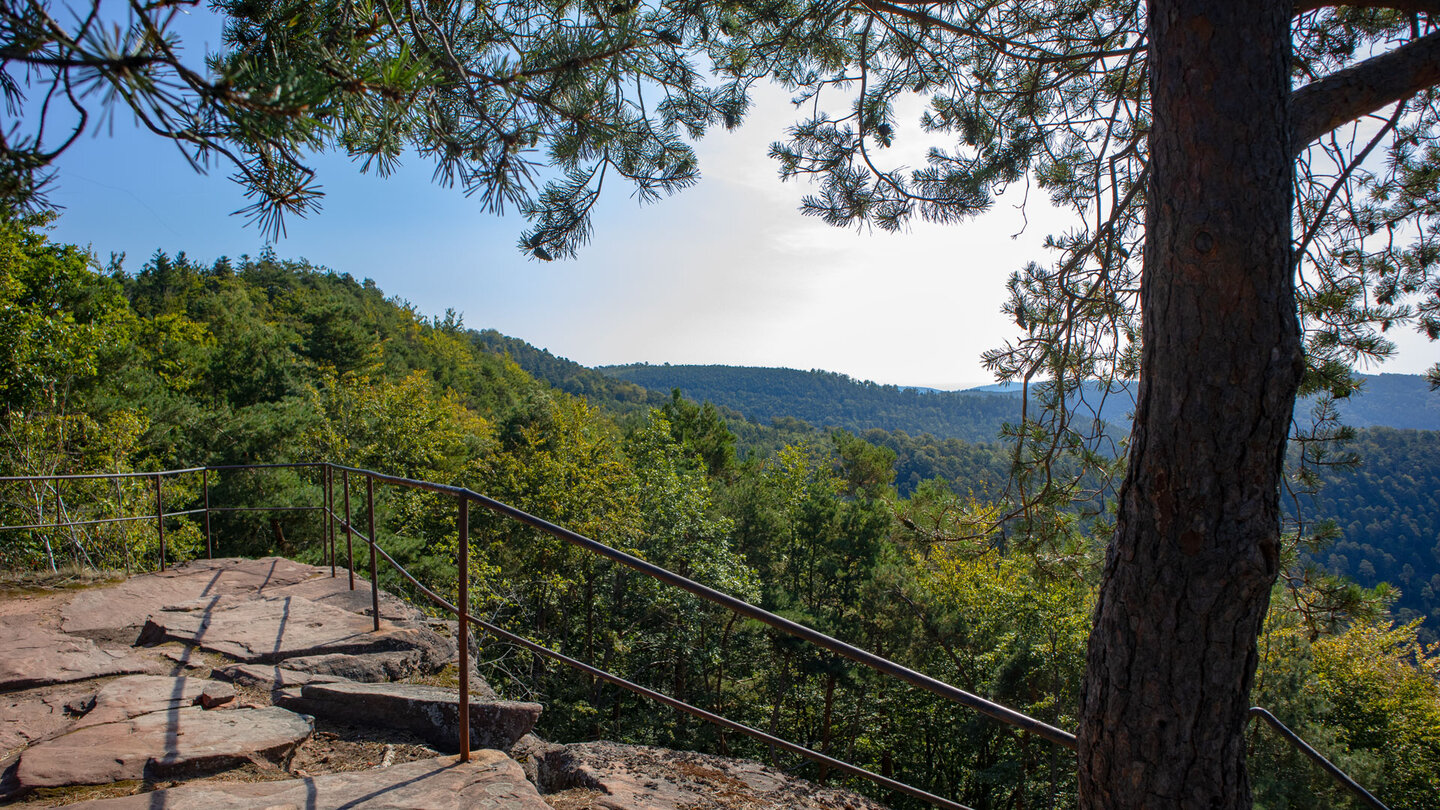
{"x": 875, "y": 662}
{"x": 430, "y": 486}
{"x": 674, "y": 703}
{"x": 276, "y": 465}
{"x": 79, "y": 523}
{"x": 69, "y": 524}
{"x": 1318, "y": 758}
{"x": 266, "y": 509}
{"x": 77, "y": 477}
{"x": 719, "y": 720}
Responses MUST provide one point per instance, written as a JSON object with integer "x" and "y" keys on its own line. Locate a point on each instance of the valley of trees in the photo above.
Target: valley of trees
{"x": 1387, "y": 509}
{"x": 834, "y": 400}
{"x": 884, "y": 539}
{"x": 828, "y": 399}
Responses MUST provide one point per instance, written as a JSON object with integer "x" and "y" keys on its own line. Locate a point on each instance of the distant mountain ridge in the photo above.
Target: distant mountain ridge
{"x": 828, "y": 399}
{"x": 1402, "y": 401}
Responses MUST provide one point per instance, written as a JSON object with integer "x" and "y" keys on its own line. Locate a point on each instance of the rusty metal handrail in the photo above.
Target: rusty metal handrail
{"x": 96, "y": 521}
{"x": 675, "y": 703}
{"x": 883, "y": 665}
{"x": 1316, "y": 757}
{"x": 81, "y": 476}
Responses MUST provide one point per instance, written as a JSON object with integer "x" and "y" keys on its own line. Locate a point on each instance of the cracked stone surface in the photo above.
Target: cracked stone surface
{"x": 431, "y": 712}
{"x": 39, "y": 656}
{"x": 635, "y": 777}
{"x": 159, "y": 744}
{"x": 273, "y": 629}
{"x": 335, "y": 592}
{"x": 142, "y": 694}
{"x": 113, "y": 610}
{"x": 32, "y": 715}
{"x": 489, "y": 780}
{"x": 269, "y": 676}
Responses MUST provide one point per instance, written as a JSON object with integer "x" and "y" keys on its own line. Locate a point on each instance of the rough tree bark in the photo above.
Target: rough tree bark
{"x": 1188, "y": 573}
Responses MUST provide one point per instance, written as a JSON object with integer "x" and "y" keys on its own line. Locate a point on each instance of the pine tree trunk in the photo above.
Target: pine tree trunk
{"x": 1188, "y": 573}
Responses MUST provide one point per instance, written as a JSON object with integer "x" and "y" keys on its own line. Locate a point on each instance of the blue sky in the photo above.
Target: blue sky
{"x": 726, "y": 272}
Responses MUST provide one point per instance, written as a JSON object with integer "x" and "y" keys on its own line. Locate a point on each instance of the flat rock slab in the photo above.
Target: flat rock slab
{"x": 633, "y": 777}
{"x": 488, "y": 780}
{"x": 162, "y": 744}
{"x": 270, "y": 676}
{"x": 106, "y": 611}
{"x": 269, "y": 630}
{"x": 32, "y": 715}
{"x": 430, "y": 712}
{"x": 39, "y": 656}
{"x": 373, "y": 667}
{"x": 142, "y": 694}
{"x": 335, "y": 592}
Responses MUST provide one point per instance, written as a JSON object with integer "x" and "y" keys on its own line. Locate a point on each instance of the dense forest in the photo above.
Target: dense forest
{"x": 1387, "y": 510}
{"x": 890, "y": 540}
{"x": 833, "y": 400}
{"x": 1385, "y": 507}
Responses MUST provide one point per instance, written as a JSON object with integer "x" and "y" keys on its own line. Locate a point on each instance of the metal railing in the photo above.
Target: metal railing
{"x": 334, "y": 522}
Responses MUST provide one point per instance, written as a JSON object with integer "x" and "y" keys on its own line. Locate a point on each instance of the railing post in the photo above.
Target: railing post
{"x": 160, "y": 521}
{"x": 374, "y": 572}
{"x": 349, "y": 546}
{"x": 463, "y": 567}
{"x": 57, "y": 504}
{"x": 50, "y": 546}
{"x": 330, "y": 513}
{"x": 205, "y": 484}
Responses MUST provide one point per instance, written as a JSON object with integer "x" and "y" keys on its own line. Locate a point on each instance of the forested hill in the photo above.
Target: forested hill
{"x": 611, "y": 393}
{"x": 831, "y": 400}
{"x": 976, "y": 464}
{"x": 1393, "y": 400}
{"x": 834, "y": 400}
{"x": 1388, "y": 513}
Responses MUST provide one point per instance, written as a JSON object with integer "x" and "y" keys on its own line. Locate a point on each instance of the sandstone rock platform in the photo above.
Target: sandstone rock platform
{"x": 105, "y": 611}
{"x": 144, "y": 694}
{"x": 154, "y": 745}
{"x": 636, "y": 777}
{"x": 39, "y": 656}
{"x": 269, "y": 629}
{"x": 204, "y": 724}
{"x": 431, "y": 712}
{"x": 489, "y": 780}
{"x": 269, "y": 676}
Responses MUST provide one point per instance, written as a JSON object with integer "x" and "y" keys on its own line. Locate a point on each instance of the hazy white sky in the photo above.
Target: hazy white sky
{"x": 726, "y": 272}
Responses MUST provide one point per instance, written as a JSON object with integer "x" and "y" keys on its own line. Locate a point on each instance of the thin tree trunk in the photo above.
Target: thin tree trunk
{"x": 779, "y": 705}
{"x": 825, "y": 725}
{"x": 1188, "y": 574}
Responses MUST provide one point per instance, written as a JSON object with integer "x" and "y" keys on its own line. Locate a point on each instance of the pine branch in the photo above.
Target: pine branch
{"x": 1346, "y": 95}
{"x": 1416, "y": 6}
